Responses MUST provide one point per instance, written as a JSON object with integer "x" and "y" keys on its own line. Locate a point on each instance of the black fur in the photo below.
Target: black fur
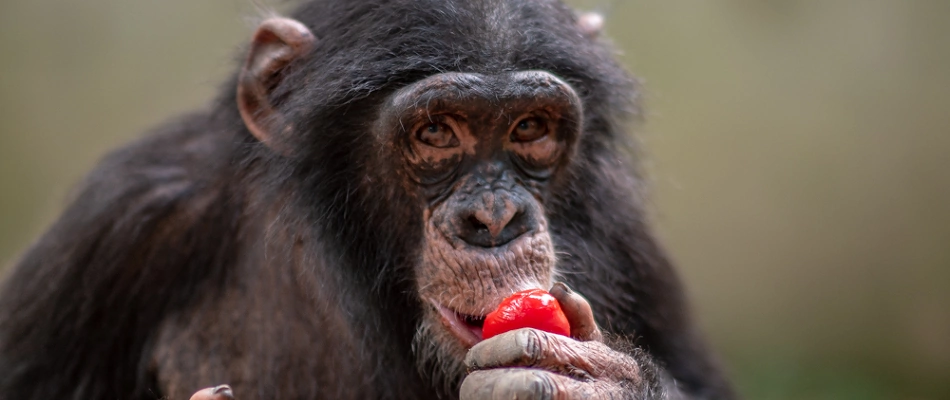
{"x": 201, "y": 251}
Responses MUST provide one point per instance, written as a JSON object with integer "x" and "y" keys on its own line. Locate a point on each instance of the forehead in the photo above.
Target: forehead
{"x": 370, "y": 49}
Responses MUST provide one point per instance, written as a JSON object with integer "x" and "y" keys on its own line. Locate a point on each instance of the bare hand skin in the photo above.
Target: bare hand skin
{"x": 578, "y": 313}
{"x": 220, "y": 392}
{"x": 533, "y": 364}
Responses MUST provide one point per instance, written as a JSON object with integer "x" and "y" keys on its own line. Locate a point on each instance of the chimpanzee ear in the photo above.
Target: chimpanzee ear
{"x": 591, "y": 24}
{"x": 277, "y": 43}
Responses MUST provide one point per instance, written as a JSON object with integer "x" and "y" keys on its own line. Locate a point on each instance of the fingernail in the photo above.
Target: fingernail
{"x": 223, "y": 390}
{"x": 563, "y": 286}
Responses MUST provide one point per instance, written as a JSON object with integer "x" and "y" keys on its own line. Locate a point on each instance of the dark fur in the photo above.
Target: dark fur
{"x": 197, "y": 256}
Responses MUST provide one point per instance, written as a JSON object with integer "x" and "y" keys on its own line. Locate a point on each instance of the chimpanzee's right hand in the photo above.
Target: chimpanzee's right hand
{"x": 532, "y": 364}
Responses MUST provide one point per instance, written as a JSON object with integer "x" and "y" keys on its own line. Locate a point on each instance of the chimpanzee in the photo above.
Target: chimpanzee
{"x": 372, "y": 181}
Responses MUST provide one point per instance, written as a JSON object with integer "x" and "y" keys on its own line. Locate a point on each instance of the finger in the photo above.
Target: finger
{"x": 524, "y": 383}
{"x": 222, "y": 392}
{"x": 528, "y": 347}
{"x": 578, "y": 313}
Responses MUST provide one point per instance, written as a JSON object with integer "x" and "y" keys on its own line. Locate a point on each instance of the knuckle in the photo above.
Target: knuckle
{"x": 541, "y": 386}
{"x": 531, "y": 342}
{"x": 477, "y": 386}
{"x": 526, "y": 384}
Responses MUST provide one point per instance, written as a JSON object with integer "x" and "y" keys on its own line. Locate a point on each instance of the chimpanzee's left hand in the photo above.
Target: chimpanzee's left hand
{"x": 222, "y": 392}
{"x": 532, "y": 364}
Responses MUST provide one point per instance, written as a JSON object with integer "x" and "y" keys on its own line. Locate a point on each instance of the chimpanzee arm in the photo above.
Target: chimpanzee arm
{"x": 78, "y": 311}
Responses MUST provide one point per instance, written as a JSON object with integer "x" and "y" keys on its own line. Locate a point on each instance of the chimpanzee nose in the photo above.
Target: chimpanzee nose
{"x": 493, "y": 220}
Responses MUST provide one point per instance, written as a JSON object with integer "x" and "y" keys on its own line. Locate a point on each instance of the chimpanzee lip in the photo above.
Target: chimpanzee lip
{"x": 467, "y": 328}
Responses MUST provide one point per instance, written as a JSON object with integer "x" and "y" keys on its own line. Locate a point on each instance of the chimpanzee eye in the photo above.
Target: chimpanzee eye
{"x": 529, "y": 129}
{"x": 438, "y": 135}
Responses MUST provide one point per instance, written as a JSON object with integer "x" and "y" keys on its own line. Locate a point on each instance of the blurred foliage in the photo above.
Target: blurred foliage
{"x": 799, "y": 151}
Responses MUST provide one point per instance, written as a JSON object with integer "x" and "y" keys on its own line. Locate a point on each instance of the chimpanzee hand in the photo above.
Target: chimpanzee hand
{"x": 222, "y": 392}
{"x": 533, "y": 364}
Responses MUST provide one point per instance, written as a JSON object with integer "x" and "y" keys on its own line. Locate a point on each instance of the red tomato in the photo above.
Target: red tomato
{"x": 532, "y": 308}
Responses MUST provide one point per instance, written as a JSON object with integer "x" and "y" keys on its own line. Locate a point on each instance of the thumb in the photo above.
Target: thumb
{"x": 578, "y": 313}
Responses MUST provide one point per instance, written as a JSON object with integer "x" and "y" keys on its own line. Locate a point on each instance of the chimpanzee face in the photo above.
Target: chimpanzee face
{"x": 481, "y": 151}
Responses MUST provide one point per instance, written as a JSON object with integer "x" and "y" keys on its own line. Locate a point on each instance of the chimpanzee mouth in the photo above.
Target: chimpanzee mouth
{"x": 467, "y": 328}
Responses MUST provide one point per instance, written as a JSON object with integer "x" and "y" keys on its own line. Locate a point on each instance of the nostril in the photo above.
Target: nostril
{"x": 515, "y": 219}
{"x": 476, "y": 224}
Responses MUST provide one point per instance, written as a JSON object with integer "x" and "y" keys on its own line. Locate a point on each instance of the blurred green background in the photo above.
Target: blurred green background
{"x": 798, "y": 151}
